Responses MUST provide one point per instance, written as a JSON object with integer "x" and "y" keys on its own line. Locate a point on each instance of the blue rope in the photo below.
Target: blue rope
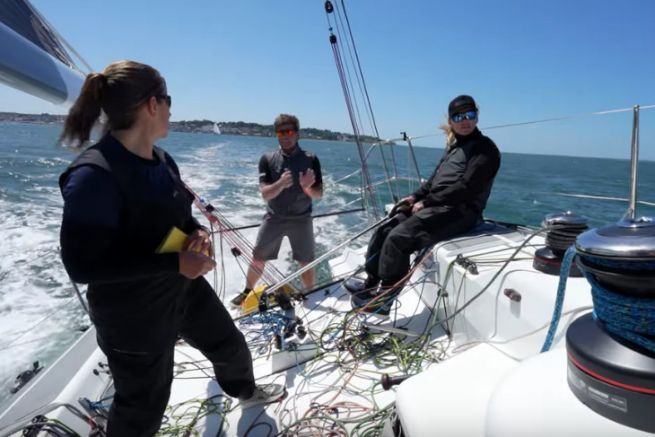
{"x": 271, "y": 323}
{"x": 631, "y": 318}
{"x": 559, "y": 300}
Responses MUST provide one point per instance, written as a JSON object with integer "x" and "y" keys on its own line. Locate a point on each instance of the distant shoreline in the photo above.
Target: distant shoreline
{"x": 257, "y": 130}
{"x": 203, "y": 126}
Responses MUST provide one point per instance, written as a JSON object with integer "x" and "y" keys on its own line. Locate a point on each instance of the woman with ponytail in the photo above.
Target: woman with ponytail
{"x": 122, "y": 197}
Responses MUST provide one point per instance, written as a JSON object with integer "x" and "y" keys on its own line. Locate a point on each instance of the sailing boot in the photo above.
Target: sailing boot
{"x": 239, "y": 298}
{"x": 264, "y": 394}
{"x": 357, "y": 285}
{"x": 378, "y": 300}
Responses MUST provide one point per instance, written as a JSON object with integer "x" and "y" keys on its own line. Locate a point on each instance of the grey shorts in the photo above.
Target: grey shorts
{"x": 300, "y": 232}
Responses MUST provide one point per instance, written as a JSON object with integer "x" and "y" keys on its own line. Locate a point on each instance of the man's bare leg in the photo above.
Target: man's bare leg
{"x": 254, "y": 273}
{"x": 308, "y": 278}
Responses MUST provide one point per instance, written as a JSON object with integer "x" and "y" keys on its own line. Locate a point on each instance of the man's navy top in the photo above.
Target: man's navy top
{"x": 291, "y": 202}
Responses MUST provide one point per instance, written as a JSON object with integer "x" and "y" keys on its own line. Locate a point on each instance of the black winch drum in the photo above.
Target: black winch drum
{"x": 612, "y": 378}
{"x": 563, "y": 227}
{"x": 611, "y": 375}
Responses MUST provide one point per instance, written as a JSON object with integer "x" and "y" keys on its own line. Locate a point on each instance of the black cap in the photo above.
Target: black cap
{"x": 461, "y": 104}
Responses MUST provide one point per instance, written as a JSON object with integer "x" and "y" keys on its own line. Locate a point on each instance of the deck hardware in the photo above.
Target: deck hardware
{"x": 469, "y": 265}
{"x": 512, "y": 294}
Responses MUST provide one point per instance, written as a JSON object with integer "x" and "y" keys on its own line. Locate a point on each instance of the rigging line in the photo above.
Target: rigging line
{"x": 349, "y": 81}
{"x": 354, "y": 201}
{"x": 411, "y": 157}
{"x": 589, "y": 196}
{"x": 359, "y": 65}
{"x": 347, "y": 176}
{"x": 350, "y": 45}
{"x": 350, "y": 99}
{"x": 318, "y": 260}
{"x": 379, "y": 144}
{"x": 366, "y": 96}
{"x": 236, "y": 240}
{"x": 368, "y": 109}
{"x": 392, "y": 149}
{"x": 365, "y": 174}
{"x": 348, "y": 65}
{"x": 270, "y": 272}
{"x": 327, "y": 17}
{"x": 490, "y": 282}
{"x": 223, "y": 286}
{"x": 256, "y": 225}
{"x": 344, "y": 85}
{"x": 370, "y": 149}
{"x": 547, "y": 120}
{"x": 568, "y": 117}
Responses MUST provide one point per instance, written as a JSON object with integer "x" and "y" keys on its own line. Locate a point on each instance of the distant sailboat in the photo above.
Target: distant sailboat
{"x": 217, "y": 130}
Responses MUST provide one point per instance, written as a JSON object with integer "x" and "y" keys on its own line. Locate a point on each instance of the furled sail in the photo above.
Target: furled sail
{"x": 33, "y": 59}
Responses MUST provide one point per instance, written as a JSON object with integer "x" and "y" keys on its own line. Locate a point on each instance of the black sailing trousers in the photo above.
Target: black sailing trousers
{"x": 143, "y": 379}
{"x": 391, "y": 245}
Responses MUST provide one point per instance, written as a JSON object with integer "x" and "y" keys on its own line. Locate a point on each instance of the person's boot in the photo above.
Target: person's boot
{"x": 263, "y": 394}
{"x": 378, "y": 300}
{"x": 357, "y": 285}
{"x": 239, "y": 298}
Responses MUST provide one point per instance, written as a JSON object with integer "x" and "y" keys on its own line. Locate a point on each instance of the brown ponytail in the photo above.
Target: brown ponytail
{"x": 118, "y": 92}
{"x": 84, "y": 113}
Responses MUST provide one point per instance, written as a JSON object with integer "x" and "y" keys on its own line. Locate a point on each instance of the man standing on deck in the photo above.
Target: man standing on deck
{"x": 449, "y": 203}
{"x": 289, "y": 179}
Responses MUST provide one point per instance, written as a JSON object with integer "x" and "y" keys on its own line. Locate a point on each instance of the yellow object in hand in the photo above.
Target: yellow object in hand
{"x": 173, "y": 242}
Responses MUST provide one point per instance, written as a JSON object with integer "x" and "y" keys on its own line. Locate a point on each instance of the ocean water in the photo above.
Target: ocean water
{"x": 40, "y": 315}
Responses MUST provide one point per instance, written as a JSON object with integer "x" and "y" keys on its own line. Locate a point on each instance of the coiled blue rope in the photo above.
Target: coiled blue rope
{"x": 559, "y": 300}
{"x": 636, "y": 266}
{"x": 631, "y": 318}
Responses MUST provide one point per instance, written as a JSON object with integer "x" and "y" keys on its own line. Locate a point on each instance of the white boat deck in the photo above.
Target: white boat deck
{"x": 332, "y": 375}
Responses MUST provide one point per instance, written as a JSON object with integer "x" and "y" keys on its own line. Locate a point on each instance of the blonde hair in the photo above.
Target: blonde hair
{"x": 449, "y": 133}
{"x": 119, "y": 91}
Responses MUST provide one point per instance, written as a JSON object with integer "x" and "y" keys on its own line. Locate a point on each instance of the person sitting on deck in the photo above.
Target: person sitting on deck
{"x": 449, "y": 203}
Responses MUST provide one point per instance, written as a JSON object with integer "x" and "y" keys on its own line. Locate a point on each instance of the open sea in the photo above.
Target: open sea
{"x": 40, "y": 315}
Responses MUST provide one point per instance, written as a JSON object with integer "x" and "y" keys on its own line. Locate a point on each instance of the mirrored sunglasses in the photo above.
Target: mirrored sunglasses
{"x": 468, "y": 115}
{"x": 287, "y": 132}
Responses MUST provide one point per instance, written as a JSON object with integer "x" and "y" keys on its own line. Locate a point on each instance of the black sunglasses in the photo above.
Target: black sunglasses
{"x": 166, "y": 98}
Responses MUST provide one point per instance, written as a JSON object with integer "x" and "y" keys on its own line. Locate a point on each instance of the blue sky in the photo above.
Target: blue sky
{"x": 250, "y": 60}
